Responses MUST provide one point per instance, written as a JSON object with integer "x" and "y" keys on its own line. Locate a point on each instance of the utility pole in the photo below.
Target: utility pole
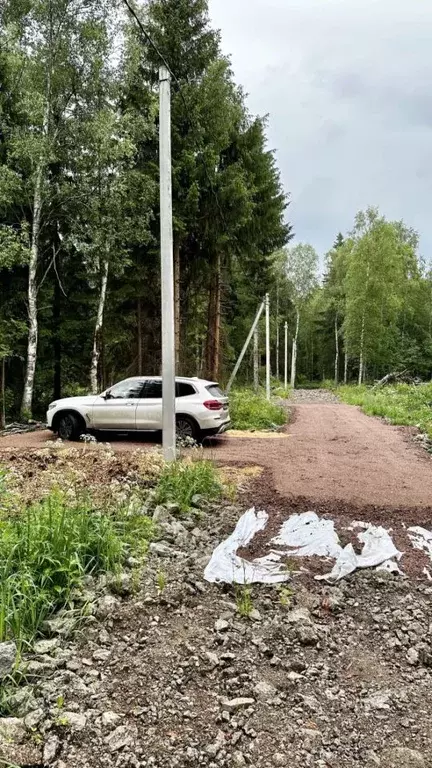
{"x": 256, "y": 360}
{"x": 286, "y": 357}
{"x": 267, "y": 309}
{"x": 245, "y": 346}
{"x": 167, "y": 268}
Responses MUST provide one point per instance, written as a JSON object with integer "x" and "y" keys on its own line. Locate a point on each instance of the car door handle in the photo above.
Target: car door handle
{"x": 130, "y": 404}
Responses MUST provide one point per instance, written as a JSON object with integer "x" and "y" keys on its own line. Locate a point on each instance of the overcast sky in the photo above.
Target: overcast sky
{"x": 348, "y": 88}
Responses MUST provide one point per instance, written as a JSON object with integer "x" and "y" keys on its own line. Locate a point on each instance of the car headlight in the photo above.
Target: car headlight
{"x": 51, "y": 406}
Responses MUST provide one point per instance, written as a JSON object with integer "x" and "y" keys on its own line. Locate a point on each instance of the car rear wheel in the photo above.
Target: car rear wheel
{"x": 69, "y": 427}
{"x": 186, "y": 427}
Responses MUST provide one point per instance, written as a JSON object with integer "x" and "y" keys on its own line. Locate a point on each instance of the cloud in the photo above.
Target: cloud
{"x": 347, "y": 84}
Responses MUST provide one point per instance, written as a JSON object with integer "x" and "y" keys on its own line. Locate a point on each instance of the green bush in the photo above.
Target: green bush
{"x": 404, "y": 404}
{"x": 180, "y": 481}
{"x": 46, "y": 552}
{"x": 251, "y": 411}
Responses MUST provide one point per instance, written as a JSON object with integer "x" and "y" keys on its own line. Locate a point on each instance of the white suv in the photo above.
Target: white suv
{"x": 135, "y": 404}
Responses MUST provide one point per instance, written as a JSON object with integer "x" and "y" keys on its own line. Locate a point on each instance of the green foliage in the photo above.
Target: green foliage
{"x": 180, "y": 481}
{"x": 404, "y": 404}
{"x": 251, "y": 411}
{"x": 244, "y": 601}
{"x": 46, "y": 551}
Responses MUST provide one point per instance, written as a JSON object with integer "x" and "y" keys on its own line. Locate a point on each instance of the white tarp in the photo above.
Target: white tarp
{"x": 421, "y": 538}
{"x": 307, "y": 535}
{"x": 225, "y": 565}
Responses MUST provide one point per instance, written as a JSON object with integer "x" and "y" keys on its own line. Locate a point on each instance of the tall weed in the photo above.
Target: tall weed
{"x": 251, "y": 411}
{"x": 180, "y": 481}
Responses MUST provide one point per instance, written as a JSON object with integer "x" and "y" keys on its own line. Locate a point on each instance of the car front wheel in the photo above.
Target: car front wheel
{"x": 186, "y": 427}
{"x": 69, "y": 427}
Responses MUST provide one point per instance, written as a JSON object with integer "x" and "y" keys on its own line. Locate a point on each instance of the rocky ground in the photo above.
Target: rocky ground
{"x": 184, "y": 673}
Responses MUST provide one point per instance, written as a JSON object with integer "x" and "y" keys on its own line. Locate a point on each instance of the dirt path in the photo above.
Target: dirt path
{"x": 330, "y": 451}
{"x": 335, "y": 452}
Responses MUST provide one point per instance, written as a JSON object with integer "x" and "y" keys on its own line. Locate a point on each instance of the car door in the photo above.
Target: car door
{"x": 116, "y": 408}
{"x": 149, "y": 408}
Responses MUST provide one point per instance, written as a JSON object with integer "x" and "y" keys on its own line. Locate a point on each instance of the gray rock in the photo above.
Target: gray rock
{"x": 33, "y": 719}
{"x": 402, "y": 757}
{"x": 75, "y": 720}
{"x": 221, "y": 625}
{"x": 413, "y": 656}
{"x": 265, "y": 691}
{"x": 231, "y": 705}
{"x": 214, "y": 748}
{"x": 106, "y": 606}
{"x": 22, "y": 701}
{"x": 238, "y": 759}
{"x": 279, "y": 759}
{"x": 12, "y": 730}
{"x": 110, "y": 719}
{"x": 59, "y": 625}
{"x": 161, "y": 514}
{"x": 255, "y": 615}
{"x": 101, "y": 654}
{"x": 120, "y": 583}
{"x": 8, "y": 653}
{"x": 307, "y": 634}
{"x": 299, "y": 615}
{"x": 123, "y": 736}
{"x": 378, "y": 700}
{"x": 51, "y": 749}
{"x": 46, "y": 646}
{"x": 162, "y": 550}
{"x": 212, "y": 659}
{"x": 104, "y": 637}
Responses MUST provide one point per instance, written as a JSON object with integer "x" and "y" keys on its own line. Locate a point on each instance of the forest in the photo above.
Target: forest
{"x": 79, "y": 219}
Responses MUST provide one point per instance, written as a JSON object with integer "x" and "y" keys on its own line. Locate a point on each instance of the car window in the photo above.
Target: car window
{"x": 152, "y": 389}
{"x": 183, "y": 389}
{"x": 215, "y": 390}
{"x": 125, "y": 390}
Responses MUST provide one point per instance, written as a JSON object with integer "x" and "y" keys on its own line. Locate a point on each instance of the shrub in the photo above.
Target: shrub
{"x": 180, "y": 481}
{"x": 251, "y": 411}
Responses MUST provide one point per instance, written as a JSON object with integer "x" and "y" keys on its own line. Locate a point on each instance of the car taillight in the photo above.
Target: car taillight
{"x": 213, "y": 405}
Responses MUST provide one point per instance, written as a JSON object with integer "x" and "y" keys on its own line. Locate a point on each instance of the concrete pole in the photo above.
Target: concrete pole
{"x": 286, "y": 357}
{"x": 267, "y": 308}
{"x": 245, "y": 346}
{"x": 167, "y": 269}
{"x": 256, "y": 360}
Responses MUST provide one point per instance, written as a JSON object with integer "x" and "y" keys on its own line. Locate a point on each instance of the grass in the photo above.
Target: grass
{"x": 403, "y": 404}
{"x": 46, "y": 552}
{"x": 244, "y": 601}
{"x": 251, "y": 411}
{"x": 180, "y": 481}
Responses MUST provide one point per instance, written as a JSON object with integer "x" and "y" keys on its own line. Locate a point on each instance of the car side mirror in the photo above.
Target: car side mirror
{"x": 107, "y": 395}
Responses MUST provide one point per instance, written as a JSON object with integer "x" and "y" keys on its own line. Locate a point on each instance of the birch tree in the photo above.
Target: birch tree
{"x": 301, "y": 268}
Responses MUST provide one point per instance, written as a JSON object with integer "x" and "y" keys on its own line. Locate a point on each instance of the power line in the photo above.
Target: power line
{"x": 177, "y": 82}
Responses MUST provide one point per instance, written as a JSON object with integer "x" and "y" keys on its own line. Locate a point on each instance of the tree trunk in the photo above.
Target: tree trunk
{"x": 256, "y": 360}
{"x": 3, "y": 394}
{"x": 98, "y": 330}
{"x": 177, "y": 317}
{"x": 140, "y": 345}
{"x": 336, "y": 368}
{"x": 32, "y": 340}
{"x": 345, "y": 367}
{"x": 294, "y": 350}
{"x": 214, "y": 322}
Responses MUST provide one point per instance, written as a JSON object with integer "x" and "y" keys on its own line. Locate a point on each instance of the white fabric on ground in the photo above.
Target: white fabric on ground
{"x": 225, "y": 565}
{"x": 306, "y": 535}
